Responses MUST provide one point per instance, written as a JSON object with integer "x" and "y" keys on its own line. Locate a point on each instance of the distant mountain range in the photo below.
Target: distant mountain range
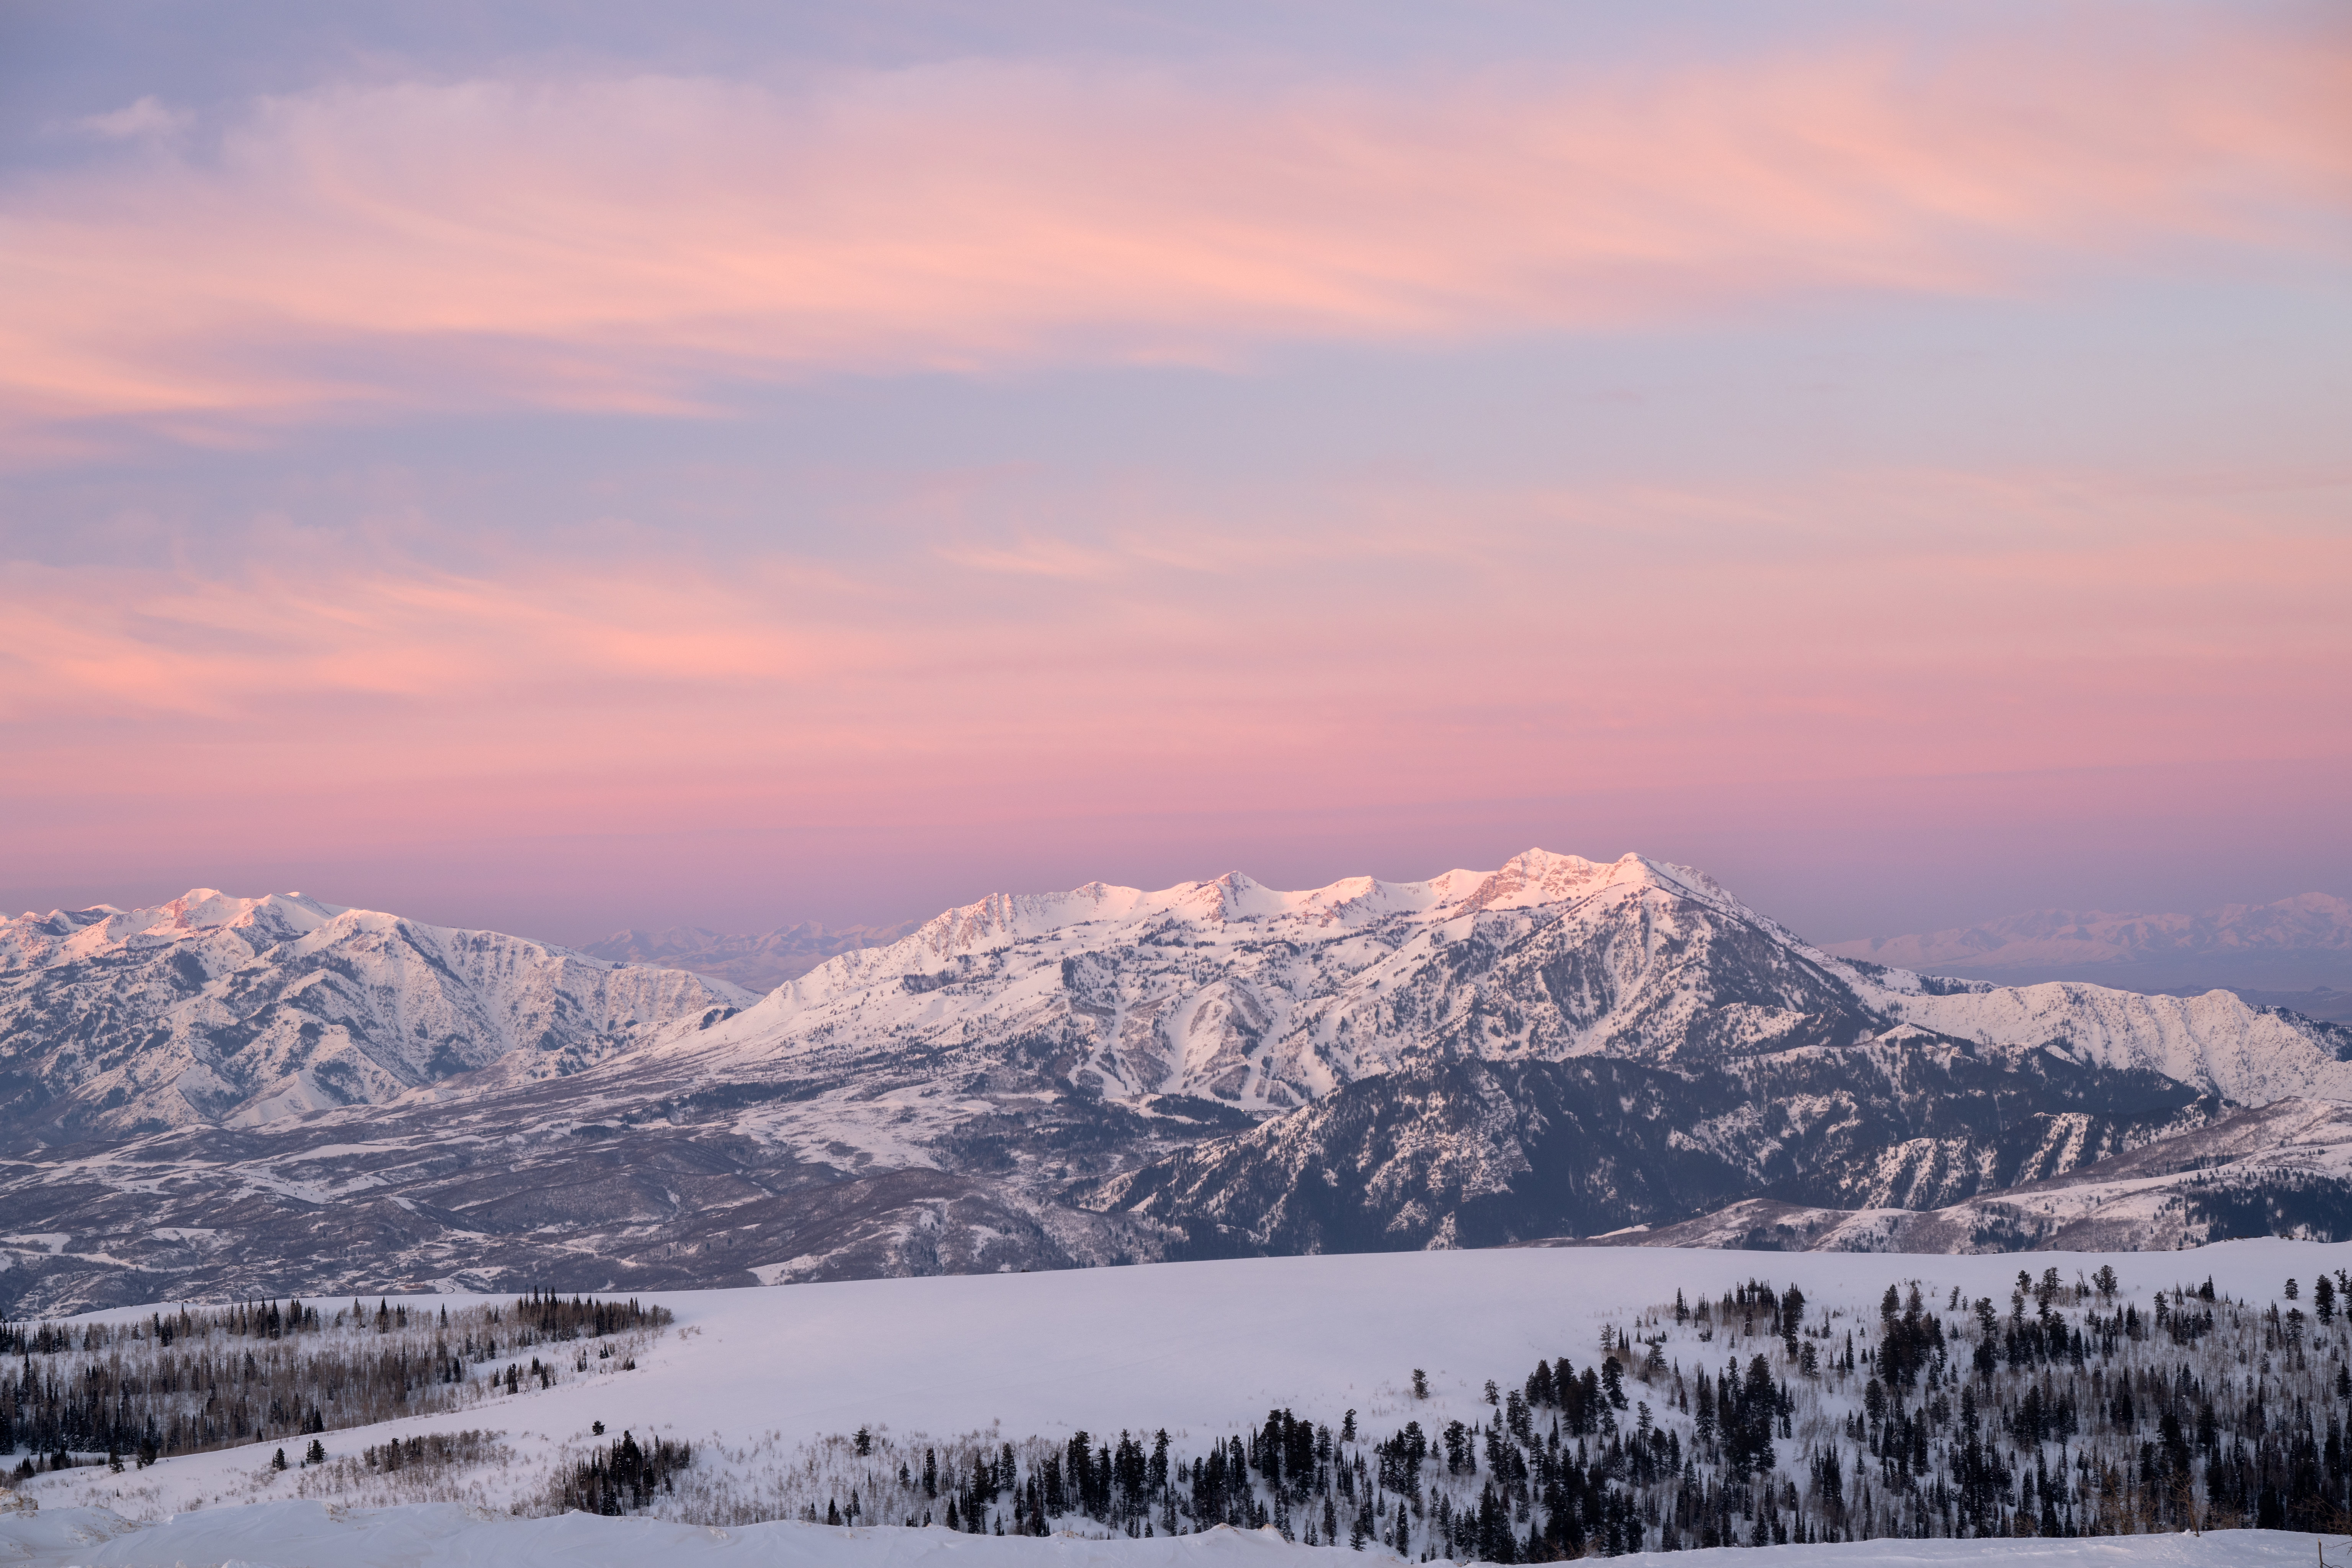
{"x": 757, "y": 964}
{"x": 2287, "y": 950}
{"x": 2296, "y": 952}
{"x": 230, "y": 1096}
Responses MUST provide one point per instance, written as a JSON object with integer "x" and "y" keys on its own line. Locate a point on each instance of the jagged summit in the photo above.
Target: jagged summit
{"x": 67, "y": 936}
{"x": 1531, "y": 879}
{"x": 1231, "y": 990}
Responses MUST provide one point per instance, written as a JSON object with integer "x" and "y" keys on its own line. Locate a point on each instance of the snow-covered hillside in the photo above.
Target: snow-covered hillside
{"x": 234, "y": 1012}
{"x": 772, "y": 1387}
{"x": 2215, "y": 1042}
{"x": 2278, "y": 1169}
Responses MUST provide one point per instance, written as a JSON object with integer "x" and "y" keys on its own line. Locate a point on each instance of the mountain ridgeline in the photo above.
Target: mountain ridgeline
{"x": 1475, "y": 1153}
{"x": 232, "y": 1097}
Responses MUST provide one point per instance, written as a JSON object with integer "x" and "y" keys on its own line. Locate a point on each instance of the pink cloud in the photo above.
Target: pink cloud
{"x": 1876, "y": 626}
{"x": 616, "y": 244}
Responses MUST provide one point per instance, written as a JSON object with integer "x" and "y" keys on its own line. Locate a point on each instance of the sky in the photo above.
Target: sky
{"x": 556, "y": 467}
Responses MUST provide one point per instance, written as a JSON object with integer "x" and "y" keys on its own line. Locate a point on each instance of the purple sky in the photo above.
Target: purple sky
{"x": 553, "y": 469}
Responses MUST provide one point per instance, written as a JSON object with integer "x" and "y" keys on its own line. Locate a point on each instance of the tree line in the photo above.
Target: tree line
{"x": 1752, "y": 1418}
{"x": 198, "y": 1379}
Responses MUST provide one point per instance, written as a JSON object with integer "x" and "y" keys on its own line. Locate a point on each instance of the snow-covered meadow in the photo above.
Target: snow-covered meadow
{"x": 444, "y": 1536}
{"x": 771, "y": 1385}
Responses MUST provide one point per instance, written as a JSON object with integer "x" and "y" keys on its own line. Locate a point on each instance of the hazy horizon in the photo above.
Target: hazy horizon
{"x": 2303, "y": 966}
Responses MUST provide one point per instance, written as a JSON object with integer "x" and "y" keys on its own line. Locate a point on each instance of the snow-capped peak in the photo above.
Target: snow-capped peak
{"x": 1232, "y": 989}
{"x": 72, "y": 936}
{"x": 1535, "y": 877}
{"x": 214, "y": 1007}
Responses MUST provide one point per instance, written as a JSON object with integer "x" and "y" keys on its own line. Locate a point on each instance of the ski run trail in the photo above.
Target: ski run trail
{"x": 771, "y": 1385}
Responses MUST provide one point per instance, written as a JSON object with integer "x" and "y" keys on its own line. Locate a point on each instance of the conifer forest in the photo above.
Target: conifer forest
{"x": 1749, "y": 1418}
{"x": 192, "y": 1380}
{"x": 1746, "y": 1415}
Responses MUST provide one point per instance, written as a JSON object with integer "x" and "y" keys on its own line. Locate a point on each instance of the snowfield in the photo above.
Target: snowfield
{"x": 438, "y": 1535}
{"x": 770, "y": 1384}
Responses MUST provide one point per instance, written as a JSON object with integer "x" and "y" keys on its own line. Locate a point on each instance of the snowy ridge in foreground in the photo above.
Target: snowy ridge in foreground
{"x": 769, "y": 1385}
{"x": 284, "y": 1535}
{"x": 447, "y": 1536}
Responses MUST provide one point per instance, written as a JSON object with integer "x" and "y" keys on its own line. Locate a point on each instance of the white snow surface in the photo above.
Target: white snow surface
{"x": 445, "y": 1535}
{"x": 1204, "y": 1348}
{"x": 2215, "y": 1041}
{"x": 442, "y": 1535}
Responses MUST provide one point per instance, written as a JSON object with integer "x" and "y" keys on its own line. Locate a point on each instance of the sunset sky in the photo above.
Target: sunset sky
{"x": 562, "y": 467}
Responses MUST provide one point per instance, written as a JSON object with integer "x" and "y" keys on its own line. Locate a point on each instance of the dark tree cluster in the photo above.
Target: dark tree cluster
{"x": 242, "y": 1320}
{"x": 261, "y": 1370}
{"x": 427, "y": 1451}
{"x": 1756, "y": 1418}
{"x": 539, "y": 1319}
{"x": 624, "y": 1477}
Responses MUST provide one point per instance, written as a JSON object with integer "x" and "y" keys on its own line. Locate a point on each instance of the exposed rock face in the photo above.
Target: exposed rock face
{"x": 1472, "y": 1153}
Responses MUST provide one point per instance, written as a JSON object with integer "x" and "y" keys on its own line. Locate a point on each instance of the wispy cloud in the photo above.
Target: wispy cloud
{"x": 2019, "y": 621}
{"x": 141, "y": 117}
{"x": 632, "y": 243}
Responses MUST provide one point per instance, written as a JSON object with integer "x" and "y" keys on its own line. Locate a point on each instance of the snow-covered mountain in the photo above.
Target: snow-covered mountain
{"x": 1557, "y": 1046}
{"x": 229, "y": 1011}
{"x": 2281, "y": 1169}
{"x": 1472, "y": 1153}
{"x": 1267, "y": 1000}
{"x": 760, "y": 963}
